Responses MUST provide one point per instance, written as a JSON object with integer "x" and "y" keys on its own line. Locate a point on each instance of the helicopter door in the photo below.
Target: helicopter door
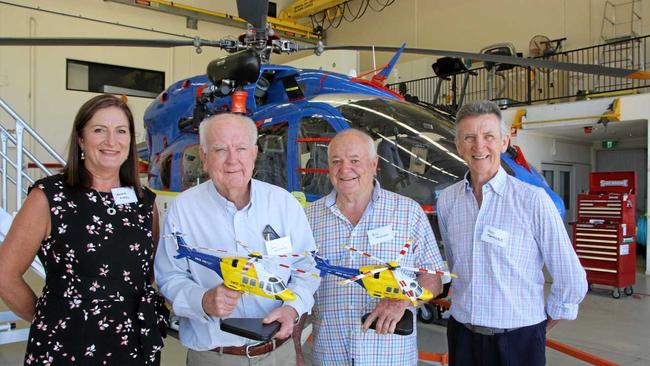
{"x": 313, "y": 134}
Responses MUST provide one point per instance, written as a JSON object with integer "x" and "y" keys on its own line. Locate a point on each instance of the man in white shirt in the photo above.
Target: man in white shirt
{"x": 229, "y": 209}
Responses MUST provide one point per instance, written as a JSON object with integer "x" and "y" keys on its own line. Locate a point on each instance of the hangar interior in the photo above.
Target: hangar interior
{"x": 568, "y": 124}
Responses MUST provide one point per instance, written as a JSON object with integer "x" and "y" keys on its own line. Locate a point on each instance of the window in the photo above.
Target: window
{"x": 104, "y": 78}
{"x": 244, "y": 280}
{"x": 271, "y": 163}
{"x": 253, "y": 282}
{"x": 235, "y": 262}
{"x": 193, "y": 173}
{"x": 313, "y": 140}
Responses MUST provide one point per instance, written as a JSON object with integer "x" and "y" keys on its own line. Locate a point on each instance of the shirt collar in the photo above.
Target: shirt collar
{"x": 497, "y": 183}
{"x": 223, "y": 201}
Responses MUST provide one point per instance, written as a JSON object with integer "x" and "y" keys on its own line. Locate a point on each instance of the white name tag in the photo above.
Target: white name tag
{"x": 495, "y": 236}
{"x": 279, "y": 246}
{"x": 124, "y": 195}
{"x": 381, "y": 235}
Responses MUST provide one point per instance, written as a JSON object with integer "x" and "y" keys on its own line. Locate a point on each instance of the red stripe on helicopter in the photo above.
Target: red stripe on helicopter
{"x": 314, "y": 139}
{"x": 312, "y": 170}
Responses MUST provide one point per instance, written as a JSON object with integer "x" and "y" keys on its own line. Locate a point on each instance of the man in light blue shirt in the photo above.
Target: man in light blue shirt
{"x": 499, "y": 233}
{"x": 228, "y": 209}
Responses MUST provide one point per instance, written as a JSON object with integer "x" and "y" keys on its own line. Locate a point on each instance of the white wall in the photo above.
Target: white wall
{"x": 32, "y": 79}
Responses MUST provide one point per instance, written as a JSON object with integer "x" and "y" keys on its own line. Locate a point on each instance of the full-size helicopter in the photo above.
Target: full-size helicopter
{"x": 298, "y": 111}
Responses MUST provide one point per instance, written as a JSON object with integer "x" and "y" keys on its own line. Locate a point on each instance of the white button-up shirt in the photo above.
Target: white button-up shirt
{"x": 209, "y": 220}
{"x": 498, "y": 252}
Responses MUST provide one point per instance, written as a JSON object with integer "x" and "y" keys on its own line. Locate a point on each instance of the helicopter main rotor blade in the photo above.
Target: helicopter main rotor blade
{"x": 424, "y": 270}
{"x": 254, "y": 12}
{"x": 123, "y": 42}
{"x": 365, "y": 254}
{"x": 535, "y": 62}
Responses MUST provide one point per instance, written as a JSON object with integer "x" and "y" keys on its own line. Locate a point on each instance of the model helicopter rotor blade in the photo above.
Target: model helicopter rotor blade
{"x": 249, "y": 264}
{"x": 299, "y": 270}
{"x": 520, "y": 61}
{"x": 362, "y": 275}
{"x": 293, "y": 255}
{"x": 353, "y": 249}
{"x": 221, "y": 251}
{"x": 404, "y": 250}
{"x": 424, "y": 270}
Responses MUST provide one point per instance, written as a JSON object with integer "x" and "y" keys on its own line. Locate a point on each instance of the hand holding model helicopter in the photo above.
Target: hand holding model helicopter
{"x": 255, "y": 274}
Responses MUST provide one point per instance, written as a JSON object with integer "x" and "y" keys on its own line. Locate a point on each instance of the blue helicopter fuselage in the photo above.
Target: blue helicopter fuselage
{"x": 297, "y": 112}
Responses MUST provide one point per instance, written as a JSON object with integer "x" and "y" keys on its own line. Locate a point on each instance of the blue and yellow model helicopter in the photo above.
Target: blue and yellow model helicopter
{"x": 253, "y": 274}
{"x": 386, "y": 280}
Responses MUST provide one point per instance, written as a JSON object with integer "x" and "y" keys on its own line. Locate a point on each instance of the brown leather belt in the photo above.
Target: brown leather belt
{"x": 252, "y": 350}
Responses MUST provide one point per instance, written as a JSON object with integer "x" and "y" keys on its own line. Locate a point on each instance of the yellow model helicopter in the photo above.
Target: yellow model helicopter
{"x": 252, "y": 274}
{"x": 387, "y": 280}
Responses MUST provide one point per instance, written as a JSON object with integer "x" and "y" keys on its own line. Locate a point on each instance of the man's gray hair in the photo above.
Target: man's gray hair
{"x": 479, "y": 108}
{"x": 372, "y": 149}
{"x": 203, "y": 127}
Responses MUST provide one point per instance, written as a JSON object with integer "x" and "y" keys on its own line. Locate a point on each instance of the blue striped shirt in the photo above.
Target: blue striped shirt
{"x": 500, "y": 282}
{"x": 338, "y": 337}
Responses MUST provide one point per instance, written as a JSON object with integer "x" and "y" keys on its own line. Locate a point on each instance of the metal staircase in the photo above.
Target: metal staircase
{"x": 15, "y": 176}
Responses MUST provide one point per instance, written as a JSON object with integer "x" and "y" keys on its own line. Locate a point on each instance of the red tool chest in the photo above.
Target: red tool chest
{"x": 604, "y": 236}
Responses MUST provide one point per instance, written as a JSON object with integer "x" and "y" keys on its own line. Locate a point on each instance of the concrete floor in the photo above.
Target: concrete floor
{"x": 616, "y": 330}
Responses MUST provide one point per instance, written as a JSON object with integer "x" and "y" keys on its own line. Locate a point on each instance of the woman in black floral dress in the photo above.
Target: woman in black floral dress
{"x": 93, "y": 228}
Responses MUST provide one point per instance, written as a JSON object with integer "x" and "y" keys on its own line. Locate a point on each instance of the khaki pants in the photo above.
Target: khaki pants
{"x": 285, "y": 355}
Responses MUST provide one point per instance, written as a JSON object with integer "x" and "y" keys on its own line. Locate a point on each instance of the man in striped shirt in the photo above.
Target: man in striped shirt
{"x": 349, "y": 215}
{"x": 499, "y": 233}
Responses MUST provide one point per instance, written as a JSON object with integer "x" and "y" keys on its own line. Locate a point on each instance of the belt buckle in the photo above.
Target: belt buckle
{"x": 249, "y": 346}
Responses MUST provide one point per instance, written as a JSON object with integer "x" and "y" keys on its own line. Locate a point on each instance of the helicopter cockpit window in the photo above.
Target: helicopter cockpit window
{"x": 313, "y": 139}
{"x": 271, "y": 163}
{"x": 193, "y": 173}
{"x": 417, "y": 154}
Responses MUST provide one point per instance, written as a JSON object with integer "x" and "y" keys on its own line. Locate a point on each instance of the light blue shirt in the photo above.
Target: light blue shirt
{"x": 500, "y": 281}
{"x": 209, "y": 220}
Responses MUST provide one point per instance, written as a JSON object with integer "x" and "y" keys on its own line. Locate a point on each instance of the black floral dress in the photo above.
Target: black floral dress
{"x": 97, "y": 306}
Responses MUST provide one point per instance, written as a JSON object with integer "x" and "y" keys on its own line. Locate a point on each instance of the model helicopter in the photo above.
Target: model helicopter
{"x": 386, "y": 280}
{"x": 298, "y": 111}
{"x": 253, "y": 274}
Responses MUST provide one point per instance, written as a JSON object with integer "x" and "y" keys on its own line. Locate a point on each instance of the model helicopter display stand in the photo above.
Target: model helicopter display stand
{"x": 604, "y": 235}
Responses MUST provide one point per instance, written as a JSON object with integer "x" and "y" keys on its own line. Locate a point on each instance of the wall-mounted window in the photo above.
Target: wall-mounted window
{"x": 104, "y": 78}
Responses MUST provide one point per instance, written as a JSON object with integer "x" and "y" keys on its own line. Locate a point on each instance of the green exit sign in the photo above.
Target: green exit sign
{"x": 609, "y": 144}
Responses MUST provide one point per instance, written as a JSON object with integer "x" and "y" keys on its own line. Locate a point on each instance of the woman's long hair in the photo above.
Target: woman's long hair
{"x": 74, "y": 172}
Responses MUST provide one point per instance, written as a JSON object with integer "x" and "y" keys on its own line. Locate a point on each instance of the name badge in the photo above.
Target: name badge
{"x": 279, "y": 246}
{"x": 124, "y": 195}
{"x": 495, "y": 236}
{"x": 381, "y": 235}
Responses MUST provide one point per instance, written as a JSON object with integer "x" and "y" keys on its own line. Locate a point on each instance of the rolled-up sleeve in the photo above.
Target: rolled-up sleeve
{"x": 569, "y": 278}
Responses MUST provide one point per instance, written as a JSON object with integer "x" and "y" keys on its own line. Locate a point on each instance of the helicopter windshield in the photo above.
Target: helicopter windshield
{"x": 417, "y": 154}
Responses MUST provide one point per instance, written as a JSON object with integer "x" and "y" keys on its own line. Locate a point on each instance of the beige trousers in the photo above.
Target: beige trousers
{"x": 285, "y": 355}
